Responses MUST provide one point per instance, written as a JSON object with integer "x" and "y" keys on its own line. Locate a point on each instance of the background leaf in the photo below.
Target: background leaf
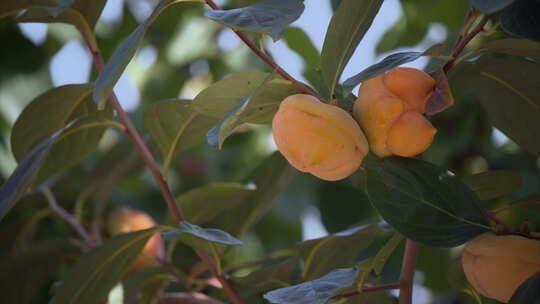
{"x": 324, "y": 254}
{"x": 521, "y": 19}
{"x": 513, "y": 46}
{"x": 83, "y": 14}
{"x": 490, "y": 7}
{"x": 52, "y": 111}
{"x": 269, "y": 17}
{"x": 528, "y": 292}
{"x": 493, "y": 184}
{"x": 99, "y": 270}
{"x": 175, "y": 127}
{"x": 507, "y": 88}
{"x": 201, "y": 205}
{"x": 318, "y": 291}
{"x": 347, "y": 27}
{"x": 424, "y": 202}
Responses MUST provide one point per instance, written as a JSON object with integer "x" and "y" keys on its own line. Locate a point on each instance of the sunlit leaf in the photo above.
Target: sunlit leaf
{"x": 347, "y": 27}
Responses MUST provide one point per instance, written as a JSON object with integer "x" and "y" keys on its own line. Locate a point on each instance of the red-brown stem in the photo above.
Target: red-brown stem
{"x": 367, "y": 289}
{"x": 296, "y": 84}
{"x": 70, "y": 219}
{"x": 150, "y": 162}
{"x": 463, "y": 42}
{"x": 406, "y": 279}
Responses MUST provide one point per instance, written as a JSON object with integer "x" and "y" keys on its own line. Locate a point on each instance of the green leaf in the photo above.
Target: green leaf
{"x": 385, "y": 252}
{"x": 387, "y": 64}
{"x": 219, "y": 98}
{"x": 490, "y": 7}
{"x": 52, "y": 111}
{"x": 423, "y": 202}
{"x": 528, "y": 292}
{"x": 324, "y": 254}
{"x": 100, "y": 269}
{"x": 318, "y": 291}
{"x": 213, "y": 241}
{"x": 268, "y": 278}
{"x": 175, "y": 127}
{"x": 521, "y": 19}
{"x": 124, "y": 53}
{"x": 493, "y": 184}
{"x": 298, "y": 41}
{"x": 270, "y": 17}
{"x": 347, "y": 27}
{"x": 84, "y": 14}
{"x": 250, "y": 109}
{"x": 15, "y": 187}
{"x": 203, "y": 204}
{"x": 507, "y": 88}
{"x": 513, "y": 46}
{"x": 269, "y": 178}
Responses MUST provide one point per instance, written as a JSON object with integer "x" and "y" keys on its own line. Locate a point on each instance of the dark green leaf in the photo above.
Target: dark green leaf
{"x": 347, "y": 27}
{"x": 521, "y": 19}
{"x": 270, "y": 17}
{"x": 387, "y": 64}
{"x": 84, "y": 14}
{"x": 492, "y": 6}
{"x": 52, "y": 111}
{"x": 324, "y": 254}
{"x": 175, "y": 127}
{"x": 15, "y": 187}
{"x": 124, "y": 53}
{"x": 423, "y": 202}
{"x": 314, "y": 292}
{"x": 493, "y": 184}
{"x": 99, "y": 270}
{"x": 213, "y": 241}
{"x": 203, "y": 204}
{"x": 528, "y": 292}
{"x": 508, "y": 89}
{"x": 513, "y": 46}
{"x": 270, "y": 178}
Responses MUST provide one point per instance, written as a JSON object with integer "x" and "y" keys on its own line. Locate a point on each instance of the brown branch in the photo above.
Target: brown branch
{"x": 464, "y": 41}
{"x": 150, "y": 162}
{"x": 296, "y": 84}
{"x": 366, "y": 289}
{"x": 70, "y": 219}
{"x": 406, "y": 279}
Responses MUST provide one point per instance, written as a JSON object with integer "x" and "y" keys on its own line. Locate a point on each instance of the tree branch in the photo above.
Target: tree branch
{"x": 406, "y": 279}
{"x": 462, "y": 42}
{"x": 70, "y": 219}
{"x": 150, "y": 162}
{"x": 296, "y": 84}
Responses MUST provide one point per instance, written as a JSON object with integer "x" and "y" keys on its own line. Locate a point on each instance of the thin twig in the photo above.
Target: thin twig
{"x": 296, "y": 84}
{"x": 406, "y": 279}
{"x": 70, "y": 219}
{"x": 463, "y": 42}
{"x": 150, "y": 162}
{"x": 367, "y": 289}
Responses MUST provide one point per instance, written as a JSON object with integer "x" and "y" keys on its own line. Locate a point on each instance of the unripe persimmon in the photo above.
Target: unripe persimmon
{"x": 318, "y": 138}
{"x": 496, "y": 265}
{"x": 390, "y": 110}
{"x": 124, "y": 220}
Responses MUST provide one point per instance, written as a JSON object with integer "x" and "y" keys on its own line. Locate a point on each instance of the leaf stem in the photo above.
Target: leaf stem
{"x": 367, "y": 289}
{"x": 462, "y": 42}
{"x": 406, "y": 279}
{"x": 70, "y": 219}
{"x": 296, "y": 84}
{"x": 150, "y": 162}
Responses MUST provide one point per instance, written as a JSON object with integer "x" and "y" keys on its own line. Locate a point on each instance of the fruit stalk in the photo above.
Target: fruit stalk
{"x": 406, "y": 279}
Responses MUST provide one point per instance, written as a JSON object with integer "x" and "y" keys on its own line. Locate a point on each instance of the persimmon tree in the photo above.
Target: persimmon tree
{"x": 227, "y": 231}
